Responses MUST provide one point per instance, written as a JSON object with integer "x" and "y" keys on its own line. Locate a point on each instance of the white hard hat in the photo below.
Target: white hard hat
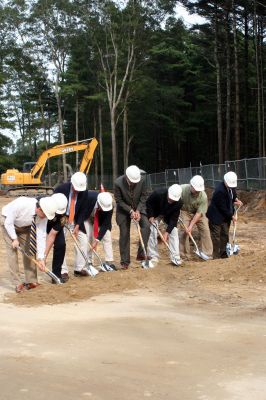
{"x": 230, "y": 179}
{"x": 133, "y": 174}
{"x": 48, "y": 206}
{"x": 79, "y": 181}
{"x": 105, "y": 201}
{"x": 197, "y": 182}
{"x": 174, "y": 192}
{"x": 61, "y": 201}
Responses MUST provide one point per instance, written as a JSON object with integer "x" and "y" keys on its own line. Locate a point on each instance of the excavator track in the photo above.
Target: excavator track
{"x": 29, "y": 191}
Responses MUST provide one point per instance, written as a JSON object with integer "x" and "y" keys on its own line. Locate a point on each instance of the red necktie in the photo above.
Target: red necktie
{"x": 72, "y": 208}
{"x": 96, "y": 223}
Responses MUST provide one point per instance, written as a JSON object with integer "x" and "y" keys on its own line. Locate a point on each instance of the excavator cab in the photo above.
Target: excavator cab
{"x": 27, "y": 166}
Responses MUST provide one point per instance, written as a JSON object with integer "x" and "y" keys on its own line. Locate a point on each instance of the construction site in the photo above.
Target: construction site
{"x": 191, "y": 332}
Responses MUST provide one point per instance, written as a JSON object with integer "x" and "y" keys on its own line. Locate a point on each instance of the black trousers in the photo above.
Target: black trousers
{"x": 59, "y": 252}
{"x": 220, "y": 237}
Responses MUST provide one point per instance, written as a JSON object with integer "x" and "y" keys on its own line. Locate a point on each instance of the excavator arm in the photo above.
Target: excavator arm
{"x": 32, "y": 179}
{"x": 89, "y": 145}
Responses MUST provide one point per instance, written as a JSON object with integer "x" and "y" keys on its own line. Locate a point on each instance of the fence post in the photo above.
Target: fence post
{"x": 246, "y": 172}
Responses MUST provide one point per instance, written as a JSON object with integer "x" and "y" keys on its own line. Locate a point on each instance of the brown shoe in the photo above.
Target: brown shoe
{"x": 31, "y": 285}
{"x": 64, "y": 277}
{"x": 20, "y": 288}
{"x": 83, "y": 272}
{"x": 124, "y": 266}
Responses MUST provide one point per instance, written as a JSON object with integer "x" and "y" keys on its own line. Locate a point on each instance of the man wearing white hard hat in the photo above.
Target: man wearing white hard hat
{"x": 77, "y": 196}
{"x": 96, "y": 228}
{"x": 164, "y": 204}
{"x": 221, "y": 213}
{"x": 193, "y": 213}
{"x": 17, "y": 221}
{"x": 130, "y": 196}
{"x": 56, "y": 237}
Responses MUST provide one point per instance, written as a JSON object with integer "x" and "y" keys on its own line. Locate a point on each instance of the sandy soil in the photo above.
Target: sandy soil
{"x": 194, "y": 332}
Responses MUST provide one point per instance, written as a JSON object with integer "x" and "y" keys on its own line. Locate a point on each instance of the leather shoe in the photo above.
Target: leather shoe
{"x": 64, "y": 277}
{"x": 142, "y": 258}
{"x": 20, "y": 288}
{"x": 83, "y": 272}
{"x": 31, "y": 285}
{"x": 124, "y": 266}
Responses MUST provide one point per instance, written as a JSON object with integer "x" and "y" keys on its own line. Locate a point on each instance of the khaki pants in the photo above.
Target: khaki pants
{"x": 205, "y": 243}
{"x": 30, "y": 270}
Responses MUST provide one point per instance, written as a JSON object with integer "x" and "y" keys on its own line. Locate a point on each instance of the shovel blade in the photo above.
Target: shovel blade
{"x": 229, "y": 250}
{"x": 53, "y": 276}
{"x": 202, "y": 255}
{"x": 91, "y": 270}
{"x": 147, "y": 264}
{"x": 236, "y": 249}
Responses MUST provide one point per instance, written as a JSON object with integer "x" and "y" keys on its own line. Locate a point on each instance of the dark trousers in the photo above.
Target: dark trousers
{"x": 220, "y": 237}
{"x": 124, "y": 238}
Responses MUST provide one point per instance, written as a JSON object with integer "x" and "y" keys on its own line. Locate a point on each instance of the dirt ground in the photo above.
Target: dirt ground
{"x": 193, "y": 332}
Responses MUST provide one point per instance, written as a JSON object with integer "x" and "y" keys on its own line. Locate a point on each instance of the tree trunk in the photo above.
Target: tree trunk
{"x": 125, "y": 139}
{"x": 246, "y": 84}
{"x": 228, "y": 89}
{"x": 77, "y": 133}
{"x": 113, "y": 138}
{"x": 261, "y": 46}
{"x": 237, "y": 124}
{"x": 60, "y": 125}
{"x": 258, "y": 79}
{"x": 101, "y": 142}
{"x": 219, "y": 96}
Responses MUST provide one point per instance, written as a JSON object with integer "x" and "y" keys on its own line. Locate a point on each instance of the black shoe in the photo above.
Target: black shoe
{"x": 124, "y": 265}
{"x": 64, "y": 277}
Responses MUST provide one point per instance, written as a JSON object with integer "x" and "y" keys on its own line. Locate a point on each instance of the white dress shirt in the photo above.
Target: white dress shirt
{"x": 20, "y": 213}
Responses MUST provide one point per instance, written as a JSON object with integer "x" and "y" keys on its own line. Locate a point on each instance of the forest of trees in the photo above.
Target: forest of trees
{"x": 153, "y": 91}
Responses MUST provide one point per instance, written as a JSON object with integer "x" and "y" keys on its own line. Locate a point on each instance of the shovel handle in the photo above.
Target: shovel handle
{"x": 189, "y": 233}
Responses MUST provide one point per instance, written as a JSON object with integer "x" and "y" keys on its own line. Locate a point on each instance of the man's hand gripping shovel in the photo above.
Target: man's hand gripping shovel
{"x": 46, "y": 270}
{"x": 199, "y": 253}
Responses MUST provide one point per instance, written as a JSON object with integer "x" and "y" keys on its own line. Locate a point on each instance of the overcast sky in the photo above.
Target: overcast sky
{"x": 189, "y": 19}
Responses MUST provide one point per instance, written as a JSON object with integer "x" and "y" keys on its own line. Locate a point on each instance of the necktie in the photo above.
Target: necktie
{"x": 33, "y": 245}
{"x": 72, "y": 208}
{"x": 96, "y": 223}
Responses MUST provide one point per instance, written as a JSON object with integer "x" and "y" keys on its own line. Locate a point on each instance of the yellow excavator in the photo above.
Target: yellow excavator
{"x": 30, "y": 184}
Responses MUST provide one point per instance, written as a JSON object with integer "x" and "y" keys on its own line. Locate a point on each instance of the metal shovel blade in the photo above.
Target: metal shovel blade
{"x": 229, "y": 250}
{"x": 91, "y": 270}
{"x": 176, "y": 262}
{"x": 53, "y": 276}
{"x": 107, "y": 267}
{"x": 202, "y": 255}
{"x": 147, "y": 264}
{"x": 236, "y": 249}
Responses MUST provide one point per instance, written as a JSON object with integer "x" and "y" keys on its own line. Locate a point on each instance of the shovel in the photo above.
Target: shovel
{"x": 47, "y": 271}
{"x": 176, "y": 260}
{"x": 199, "y": 253}
{"x": 146, "y": 263}
{"x": 88, "y": 267}
{"x": 233, "y": 249}
{"x": 103, "y": 266}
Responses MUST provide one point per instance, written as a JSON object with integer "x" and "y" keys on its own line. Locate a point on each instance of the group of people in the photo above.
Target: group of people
{"x": 39, "y": 225}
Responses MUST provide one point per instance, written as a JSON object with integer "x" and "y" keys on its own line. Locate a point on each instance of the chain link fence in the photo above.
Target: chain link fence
{"x": 251, "y": 174}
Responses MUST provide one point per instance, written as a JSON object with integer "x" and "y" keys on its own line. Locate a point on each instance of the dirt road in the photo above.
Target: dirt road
{"x": 193, "y": 333}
